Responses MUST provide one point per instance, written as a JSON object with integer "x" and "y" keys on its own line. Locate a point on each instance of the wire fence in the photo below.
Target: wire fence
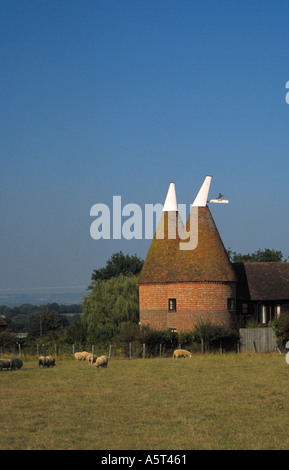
{"x": 132, "y": 350}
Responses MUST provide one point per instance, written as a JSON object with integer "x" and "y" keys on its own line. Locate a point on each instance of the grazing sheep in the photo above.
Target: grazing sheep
{"x": 50, "y": 361}
{"x": 47, "y": 361}
{"x": 91, "y": 358}
{"x": 81, "y": 356}
{"x": 42, "y": 361}
{"x": 77, "y": 356}
{"x": 16, "y": 363}
{"x": 4, "y": 364}
{"x": 181, "y": 353}
{"x": 101, "y": 361}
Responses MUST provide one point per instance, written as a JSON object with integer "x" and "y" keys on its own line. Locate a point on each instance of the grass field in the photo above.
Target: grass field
{"x": 204, "y": 402}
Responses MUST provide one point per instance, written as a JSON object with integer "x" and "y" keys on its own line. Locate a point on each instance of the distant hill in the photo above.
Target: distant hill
{"x": 37, "y": 297}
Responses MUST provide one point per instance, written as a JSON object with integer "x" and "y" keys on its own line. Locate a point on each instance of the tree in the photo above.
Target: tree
{"x": 118, "y": 264}
{"x": 258, "y": 256}
{"x": 281, "y": 328}
{"x": 110, "y": 304}
{"x": 76, "y": 332}
{"x": 7, "y": 341}
{"x": 46, "y": 323}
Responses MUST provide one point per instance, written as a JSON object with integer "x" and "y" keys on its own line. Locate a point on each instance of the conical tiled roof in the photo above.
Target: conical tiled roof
{"x": 170, "y": 260}
{"x": 160, "y": 263}
{"x": 208, "y": 262}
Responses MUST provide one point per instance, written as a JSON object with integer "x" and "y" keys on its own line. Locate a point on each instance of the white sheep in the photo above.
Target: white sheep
{"x": 101, "y": 361}
{"x": 81, "y": 356}
{"x": 91, "y": 358}
{"x": 181, "y": 353}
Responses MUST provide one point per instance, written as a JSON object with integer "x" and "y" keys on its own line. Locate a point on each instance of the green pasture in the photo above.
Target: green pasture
{"x": 203, "y": 402}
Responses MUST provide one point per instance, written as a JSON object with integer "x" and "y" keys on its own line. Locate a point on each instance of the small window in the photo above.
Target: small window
{"x": 231, "y": 304}
{"x": 245, "y": 309}
{"x": 172, "y": 304}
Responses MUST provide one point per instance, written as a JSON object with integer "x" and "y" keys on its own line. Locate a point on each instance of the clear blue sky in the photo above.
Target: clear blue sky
{"x": 121, "y": 97}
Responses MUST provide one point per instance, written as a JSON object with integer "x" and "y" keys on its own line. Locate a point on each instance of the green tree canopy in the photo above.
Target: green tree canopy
{"x": 281, "y": 328}
{"x": 76, "y": 332}
{"x": 110, "y": 304}
{"x": 46, "y": 323}
{"x": 118, "y": 264}
{"x": 258, "y": 256}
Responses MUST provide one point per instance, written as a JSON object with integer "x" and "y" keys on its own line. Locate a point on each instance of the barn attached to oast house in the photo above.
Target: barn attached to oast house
{"x": 179, "y": 288}
{"x": 262, "y": 290}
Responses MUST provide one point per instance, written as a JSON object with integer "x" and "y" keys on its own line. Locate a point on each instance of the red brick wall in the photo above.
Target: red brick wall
{"x": 196, "y": 301}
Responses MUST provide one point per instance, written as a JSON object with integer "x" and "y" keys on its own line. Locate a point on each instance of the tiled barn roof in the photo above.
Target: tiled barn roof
{"x": 262, "y": 281}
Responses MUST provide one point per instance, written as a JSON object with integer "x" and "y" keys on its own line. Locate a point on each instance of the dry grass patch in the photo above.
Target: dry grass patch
{"x": 205, "y": 402}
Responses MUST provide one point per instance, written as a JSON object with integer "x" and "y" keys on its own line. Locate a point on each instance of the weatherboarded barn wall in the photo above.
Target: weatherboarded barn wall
{"x": 261, "y": 340}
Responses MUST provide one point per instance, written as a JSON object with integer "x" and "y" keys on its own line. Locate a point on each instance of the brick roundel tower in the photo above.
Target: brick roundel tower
{"x": 181, "y": 287}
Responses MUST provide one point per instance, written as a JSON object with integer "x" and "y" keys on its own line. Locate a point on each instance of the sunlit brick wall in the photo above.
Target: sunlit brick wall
{"x": 199, "y": 301}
